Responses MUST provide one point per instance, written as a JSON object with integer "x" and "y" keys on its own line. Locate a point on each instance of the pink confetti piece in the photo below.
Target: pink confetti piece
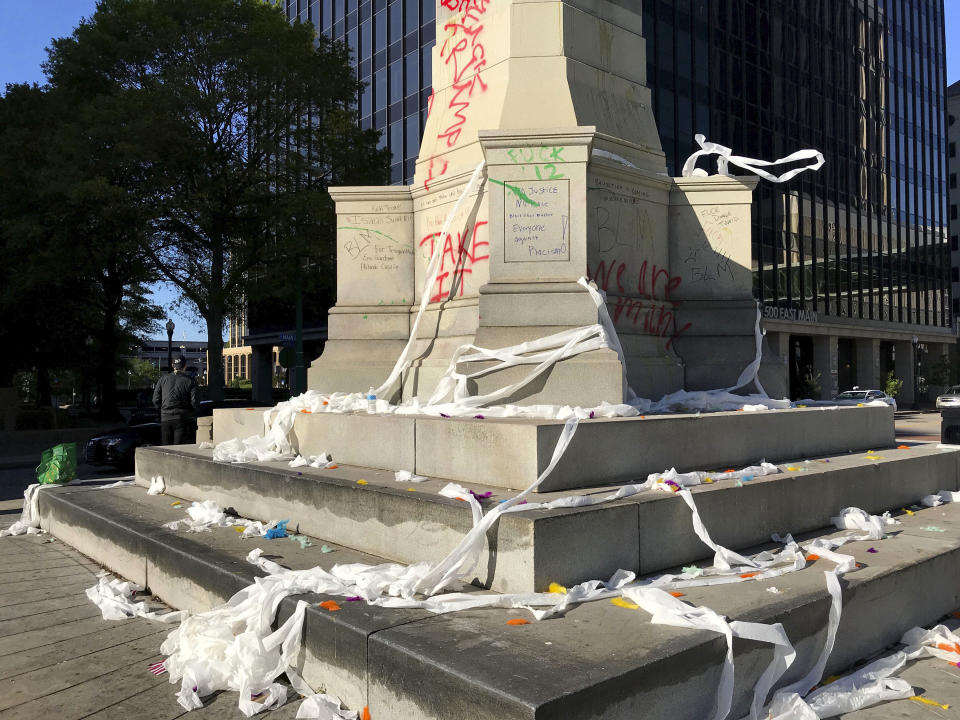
{"x": 481, "y": 496}
{"x": 354, "y": 598}
{"x": 871, "y": 550}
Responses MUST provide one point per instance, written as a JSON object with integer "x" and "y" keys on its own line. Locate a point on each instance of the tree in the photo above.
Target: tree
{"x": 73, "y": 239}
{"x": 237, "y": 121}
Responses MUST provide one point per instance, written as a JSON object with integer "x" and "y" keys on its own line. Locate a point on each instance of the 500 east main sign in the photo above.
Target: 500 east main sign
{"x": 792, "y": 314}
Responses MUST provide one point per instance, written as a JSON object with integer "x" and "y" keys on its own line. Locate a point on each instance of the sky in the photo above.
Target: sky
{"x": 28, "y": 26}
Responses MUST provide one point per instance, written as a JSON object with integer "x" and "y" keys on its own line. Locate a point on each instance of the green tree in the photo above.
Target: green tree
{"x": 73, "y": 239}
{"x": 237, "y": 121}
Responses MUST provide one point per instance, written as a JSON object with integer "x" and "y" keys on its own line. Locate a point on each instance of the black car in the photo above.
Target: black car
{"x": 118, "y": 446}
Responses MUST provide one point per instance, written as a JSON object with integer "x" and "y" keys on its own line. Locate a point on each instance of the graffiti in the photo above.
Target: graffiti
{"x": 372, "y": 249}
{"x": 543, "y": 159}
{"x": 520, "y": 194}
{"x": 457, "y": 259}
{"x": 708, "y": 259}
{"x": 621, "y": 221}
{"x": 430, "y": 171}
{"x": 463, "y": 49}
{"x": 651, "y": 309}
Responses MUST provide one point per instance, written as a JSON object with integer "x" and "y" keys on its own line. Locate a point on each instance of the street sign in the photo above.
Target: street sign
{"x": 287, "y": 339}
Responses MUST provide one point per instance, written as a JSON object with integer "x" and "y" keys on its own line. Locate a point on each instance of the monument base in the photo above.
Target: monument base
{"x": 512, "y": 452}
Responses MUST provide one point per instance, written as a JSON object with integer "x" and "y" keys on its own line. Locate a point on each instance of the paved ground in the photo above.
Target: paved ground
{"x": 916, "y": 426}
{"x": 60, "y": 659}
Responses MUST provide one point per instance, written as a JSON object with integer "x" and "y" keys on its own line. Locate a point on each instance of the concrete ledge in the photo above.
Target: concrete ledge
{"x": 511, "y": 453}
{"x": 598, "y": 661}
{"x": 229, "y": 423}
{"x": 528, "y": 550}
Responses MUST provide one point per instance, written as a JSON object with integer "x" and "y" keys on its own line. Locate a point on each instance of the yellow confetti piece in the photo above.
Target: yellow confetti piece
{"x": 238, "y": 528}
{"x": 801, "y": 406}
{"x": 174, "y": 504}
{"x": 624, "y": 603}
{"x": 557, "y": 588}
{"x": 925, "y": 701}
{"x": 411, "y": 489}
{"x": 362, "y": 482}
{"x": 708, "y": 480}
{"x": 793, "y": 469}
{"x": 908, "y": 512}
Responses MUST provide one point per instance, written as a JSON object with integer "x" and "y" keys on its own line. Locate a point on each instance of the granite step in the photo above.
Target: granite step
{"x": 366, "y": 509}
{"x": 512, "y": 452}
{"x": 598, "y": 661}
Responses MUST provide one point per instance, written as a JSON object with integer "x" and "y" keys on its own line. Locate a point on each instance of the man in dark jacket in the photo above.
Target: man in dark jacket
{"x": 176, "y": 396}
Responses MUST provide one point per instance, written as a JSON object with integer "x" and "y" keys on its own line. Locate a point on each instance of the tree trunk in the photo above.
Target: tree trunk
{"x": 215, "y": 352}
{"x": 107, "y": 365}
{"x": 44, "y": 400}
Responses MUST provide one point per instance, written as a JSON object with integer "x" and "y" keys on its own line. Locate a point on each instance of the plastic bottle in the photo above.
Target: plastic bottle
{"x": 371, "y": 401}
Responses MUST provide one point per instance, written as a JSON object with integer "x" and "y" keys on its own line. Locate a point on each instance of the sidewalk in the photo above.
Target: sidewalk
{"x": 61, "y": 659}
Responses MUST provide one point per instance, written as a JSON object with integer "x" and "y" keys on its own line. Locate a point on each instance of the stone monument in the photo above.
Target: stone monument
{"x": 552, "y": 97}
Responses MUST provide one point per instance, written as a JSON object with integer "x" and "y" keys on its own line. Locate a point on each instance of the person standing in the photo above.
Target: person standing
{"x": 176, "y": 397}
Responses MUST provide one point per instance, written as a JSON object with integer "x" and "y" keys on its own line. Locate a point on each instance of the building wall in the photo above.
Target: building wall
{"x": 953, "y": 189}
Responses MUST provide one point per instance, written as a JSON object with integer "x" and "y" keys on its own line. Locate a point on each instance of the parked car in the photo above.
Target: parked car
{"x": 949, "y": 399}
{"x": 865, "y": 396}
{"x": 118, "y": 446}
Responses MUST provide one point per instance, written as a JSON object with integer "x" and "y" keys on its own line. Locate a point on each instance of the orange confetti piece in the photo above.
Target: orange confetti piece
{"x": 330, "y": 605}
{"x": 332, "y": 467}
{"x": 305, "y": 412}
{"x": 624, "y": 603}
{"x": 325, "y": 402}
{"x": 361, "y": 482}
{"x": 955, "y": 613}
{"x": 557, "y": 588}
{"x": 954, "y": 648}
{"x": 903, "y": 447}
{"x": 729, "y": 470}
{"x": 678, "y": 594}
{"x": 745, "y": 576}
{"x": 518, "y": 621}
{"x": 812, "y": 557}
{"x": 366, "y": 713}
{"x": 643, "y": 417}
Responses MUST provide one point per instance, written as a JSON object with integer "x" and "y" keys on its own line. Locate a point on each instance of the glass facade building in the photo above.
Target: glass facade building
{"x": 862, "y": 81}
{"x": 391, "y": 43}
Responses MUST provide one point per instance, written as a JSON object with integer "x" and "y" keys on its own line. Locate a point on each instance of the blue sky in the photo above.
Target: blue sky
{"x": 28, "y": 26}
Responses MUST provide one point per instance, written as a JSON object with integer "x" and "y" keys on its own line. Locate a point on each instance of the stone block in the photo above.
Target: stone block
{"x": 229, "y": 423}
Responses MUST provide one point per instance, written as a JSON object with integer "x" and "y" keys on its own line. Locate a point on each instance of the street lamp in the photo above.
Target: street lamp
{"x": 170, "y": 327}
{"x": 915, "y": 342}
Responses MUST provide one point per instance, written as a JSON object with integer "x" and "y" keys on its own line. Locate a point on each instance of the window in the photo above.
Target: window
{"x": 953, "y": 212}
{"x": 956, "y": 306}
{"x": 953, "y": 180}
{"x": 955, "y": 273}
{"x": 953, "y": 149}
{"x": 954, "y": 245}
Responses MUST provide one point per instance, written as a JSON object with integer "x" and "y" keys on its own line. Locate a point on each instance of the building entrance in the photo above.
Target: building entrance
{"x": 803, "y": 380}
{"x": 846, "y": 363}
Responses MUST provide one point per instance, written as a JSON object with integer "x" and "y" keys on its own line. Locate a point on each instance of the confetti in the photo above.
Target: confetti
{"x": 362, "y": 482}
{"x": 354, "y": 598}
{"x": 624, "y": 603}
{"x": 933, "y": 528}
{"x": 518, "y": 621}
{"x": 748, "y": 575}
{"x": 791, "y": 468}
{"x": 908, "y": 512}
{"x": 677, "y": 594}
{"x": 330, "y": 605}
{"x": 812, "y": 557}
{"x": 692, "y": 571}
{"x": 332, "y": 467}
{"x": 557, "y": 588}
{"x": 903, "y": 447}
{"x": 774, "y": 590}
{"x": 872, "y": 550}
{"x": 326, "y": 549}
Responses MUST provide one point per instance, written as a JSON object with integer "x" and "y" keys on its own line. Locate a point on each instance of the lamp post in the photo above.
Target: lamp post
{"x": 170, "y": 327}
{"x": 915, "y": 342}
